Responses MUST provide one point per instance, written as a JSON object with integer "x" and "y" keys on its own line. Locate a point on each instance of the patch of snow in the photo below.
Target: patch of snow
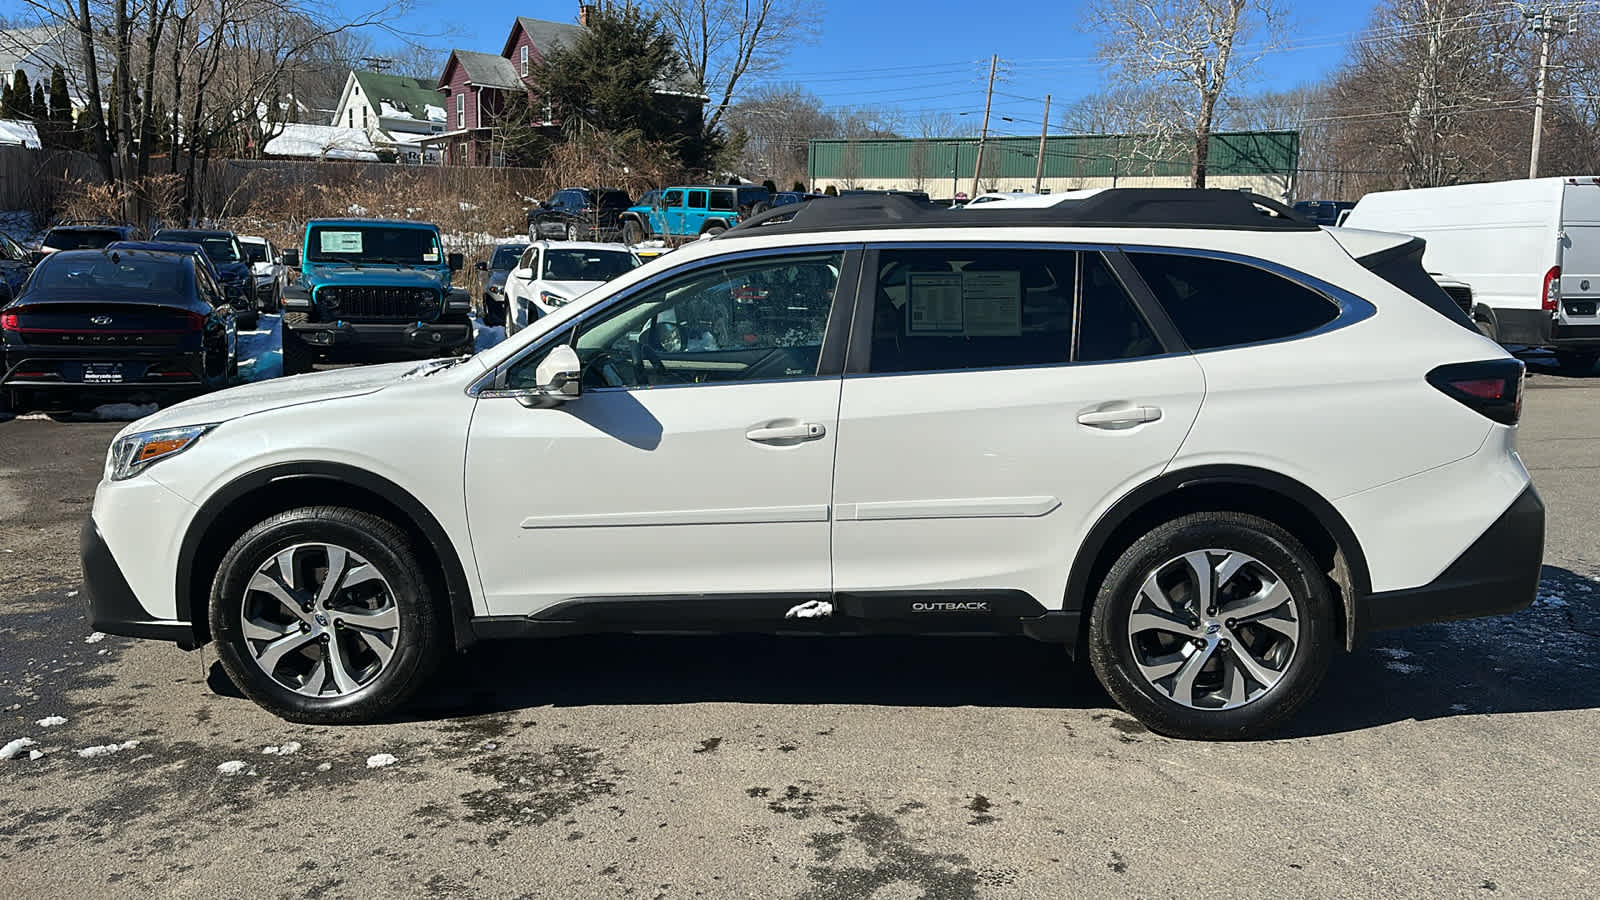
{"x": 1395, "y": 653}
{"x": 36, "y": 754}
{"x": 95, "y": 638}
{"x": 231, "y": 768}
{"x": 16, "y": 747}
{"x": 19, "y": 133}
{"x": 71, "y": 594}
{"x": 356, "y": 209}
{"x": 484, "y": 337}
{"x": 123, "y": 412}
{"x": 434, "y": 113}
{"x": 51, "y": 721}
{"x": 465, "y": 206}
{"x": 379, "y": 760}
{"x": 324, "y": 767}
{"x": 261, "y": 351}
{"x": 1403, "y": 668}
{"x": 106, "y": 749}
{"x": 287, "y": 748}
{"x": 811, "y": 609}
{"x": 321, "y": 142}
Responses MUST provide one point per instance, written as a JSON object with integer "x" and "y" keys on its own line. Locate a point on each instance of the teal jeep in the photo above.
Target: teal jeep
{"x": 372, "y": 288}
{"x": 692, "y": 211}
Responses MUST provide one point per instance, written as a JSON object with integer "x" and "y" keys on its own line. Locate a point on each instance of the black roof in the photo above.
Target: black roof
{"x": 1114, "y": 208}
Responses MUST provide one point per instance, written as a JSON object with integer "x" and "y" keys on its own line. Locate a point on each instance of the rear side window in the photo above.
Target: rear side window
{"x": 1221, "y": 303}
{"x": 975, "y": 308}
{"x": 697, "y": 199}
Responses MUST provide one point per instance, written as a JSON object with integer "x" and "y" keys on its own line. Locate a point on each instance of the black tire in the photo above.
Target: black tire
{"x": 715, "y": 230}
{"x": 494, "y": 312}
{"x": 421, "y": 640}
{"x": 1576, "y": 362}
{"x": 298, "y": 356}
{"x": 572, "y": 232}
{"x": 1111, "y": 652}
{"x": 632, "y": 232}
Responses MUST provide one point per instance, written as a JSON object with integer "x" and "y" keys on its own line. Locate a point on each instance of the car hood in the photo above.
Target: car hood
{"x": 274, "y": 393}
{"x": 497, "y": 277}
{"x": 388, "y": 275}
{"x": 262, "y": 269}
{"x": 571, "y": 290}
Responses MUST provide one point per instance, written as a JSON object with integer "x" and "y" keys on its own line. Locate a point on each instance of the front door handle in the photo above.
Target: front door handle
{"x": 786, "y": 432}
{"x": 1120, "y": 417}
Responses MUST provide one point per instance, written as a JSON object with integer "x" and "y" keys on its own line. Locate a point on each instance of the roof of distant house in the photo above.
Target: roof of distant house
{"x": 396, "y": 96}
{"x": 486, "y": 69}
{"x": 546, "y": 35}
{"x": 321, "y": 142}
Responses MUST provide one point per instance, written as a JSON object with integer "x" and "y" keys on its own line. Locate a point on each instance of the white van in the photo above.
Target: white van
{"x": 1530, "y": 249}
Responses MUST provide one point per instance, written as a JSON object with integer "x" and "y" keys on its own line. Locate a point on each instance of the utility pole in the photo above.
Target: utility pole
{"x": 988, "y": 100}
{"x": 1548, "y": 26}
{"x": 1038, "y": 172}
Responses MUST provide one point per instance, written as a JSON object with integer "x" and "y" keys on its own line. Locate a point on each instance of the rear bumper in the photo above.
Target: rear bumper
{"x": 418, "y": 337}
{"x": 1537, "y": 328}
{"x": 1498, "y": 574}
{"x": 50, "y": 369}
{"x": 111, "y": 603}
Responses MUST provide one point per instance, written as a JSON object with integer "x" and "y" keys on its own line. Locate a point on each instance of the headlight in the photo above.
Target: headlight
{"x": 497, "y": 289}
{"x": 549, "y": 299}
{"x": 132, "y": 454}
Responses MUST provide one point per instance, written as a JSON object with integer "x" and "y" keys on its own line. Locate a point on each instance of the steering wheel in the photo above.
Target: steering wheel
{"x": 644, "y": 350}
{"x": 609, "y": 376}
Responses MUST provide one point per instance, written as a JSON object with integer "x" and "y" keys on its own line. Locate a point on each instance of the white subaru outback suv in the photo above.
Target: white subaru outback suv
{"x": 1195, "y": 439}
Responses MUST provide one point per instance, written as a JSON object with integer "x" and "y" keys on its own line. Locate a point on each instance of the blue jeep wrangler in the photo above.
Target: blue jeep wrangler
{"x": 372, "y": 288}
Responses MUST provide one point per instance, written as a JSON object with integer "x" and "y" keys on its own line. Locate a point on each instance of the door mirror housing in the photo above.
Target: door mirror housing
{"x": 291, "y": 259}
{"x": 457, "y": 262}
{"x": 481, "y": 266}
{"x": 559, "y": 377}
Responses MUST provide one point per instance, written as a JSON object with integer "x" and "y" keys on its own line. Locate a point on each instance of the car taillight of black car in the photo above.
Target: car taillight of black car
{"x": 1492, "y": 387}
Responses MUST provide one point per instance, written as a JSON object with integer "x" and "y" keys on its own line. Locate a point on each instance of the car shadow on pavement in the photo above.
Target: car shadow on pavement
{"x": 1537, "y": 660}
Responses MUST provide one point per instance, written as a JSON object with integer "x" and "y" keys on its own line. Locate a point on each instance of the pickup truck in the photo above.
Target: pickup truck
{"x": 692, "y": 211}
{"x": 371, "y": 288}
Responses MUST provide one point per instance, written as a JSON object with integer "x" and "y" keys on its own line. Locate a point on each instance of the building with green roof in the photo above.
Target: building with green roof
{"x": 396, "y": 112}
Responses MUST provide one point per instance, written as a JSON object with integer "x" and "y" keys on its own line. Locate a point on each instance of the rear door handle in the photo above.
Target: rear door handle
{"x": 786, "y": 432}
{"x": 1122, "y": 417}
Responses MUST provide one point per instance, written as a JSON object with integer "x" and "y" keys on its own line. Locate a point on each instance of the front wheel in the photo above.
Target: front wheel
{"x": 572, "y": 232}
{"x": 632, "y": 233}
{"x": 1213, "y": 626}
{"x": 323, "y": 615}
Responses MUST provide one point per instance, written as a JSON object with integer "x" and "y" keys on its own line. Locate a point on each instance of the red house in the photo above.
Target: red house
{"x": 475, "y": 86}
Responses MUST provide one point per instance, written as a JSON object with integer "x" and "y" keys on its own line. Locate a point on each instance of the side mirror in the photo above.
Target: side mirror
{"x": 481, "y": 266}
{"x": 457, "y": 262}
{"x": 291, "y": 259}
{"x": 559, "y": 377}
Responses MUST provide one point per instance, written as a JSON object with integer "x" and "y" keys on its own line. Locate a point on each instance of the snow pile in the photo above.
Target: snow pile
{"x": 484, "y": 337}
{"x": 106, "y": 749}
{"x": 231, "y": 768}
{"x": 95, "y": 637}
{"x": 16, "y": 747}
{"x": 287, "y": 748}
{"x": 379, "y": 760}
{"x": 434, "y": 113}
{"x": 51, "y": 721}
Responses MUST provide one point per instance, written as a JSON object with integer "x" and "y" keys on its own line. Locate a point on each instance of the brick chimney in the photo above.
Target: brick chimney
{"x": 585, "y": 10}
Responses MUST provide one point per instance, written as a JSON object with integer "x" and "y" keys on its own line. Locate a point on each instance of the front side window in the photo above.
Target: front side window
{"x": 672, "y": 199}
{"x": 1222, "y": 303}
{"x": 735, "y": 321}
{"x": 978, "y": 308}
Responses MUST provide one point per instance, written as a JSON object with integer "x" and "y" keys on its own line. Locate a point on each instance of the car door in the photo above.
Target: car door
{"x": 1006, "y": 396}
{"x": 694, "y": 213}
{"x": 670, "y": 214}
{"x": 518, "y": 288}
{"x": 690, "y": 481}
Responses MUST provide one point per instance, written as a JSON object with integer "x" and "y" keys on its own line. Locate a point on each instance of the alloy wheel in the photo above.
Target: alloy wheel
{"x": 320, "y": 620}
{"x": 1214, "y": 629}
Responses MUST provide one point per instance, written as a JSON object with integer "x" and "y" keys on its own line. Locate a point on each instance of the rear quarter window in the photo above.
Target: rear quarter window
{"x": 1222, "y": 303}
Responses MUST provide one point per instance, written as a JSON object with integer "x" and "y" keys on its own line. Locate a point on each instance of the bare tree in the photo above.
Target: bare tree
{"x": 1191, "y": 51}
{"x": 777, "y": 123}
{"x": 723, "y": 42}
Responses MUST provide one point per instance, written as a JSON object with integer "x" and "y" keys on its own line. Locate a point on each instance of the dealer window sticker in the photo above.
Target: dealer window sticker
{"x": 340, "y": 241}
{"x": 992, "y": 303}
{"x": 935, "y": 304}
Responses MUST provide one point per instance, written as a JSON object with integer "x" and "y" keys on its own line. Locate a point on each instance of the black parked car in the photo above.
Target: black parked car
{"x": 579, "y": 214}
{"x": 227, "y": 254}
{"x": 83, "y": 237}
{"x": 246, "y": 317}
{"x": 15, "y": 264}
{"x": 126, "y": 324}
{"x": 495, "y": 272}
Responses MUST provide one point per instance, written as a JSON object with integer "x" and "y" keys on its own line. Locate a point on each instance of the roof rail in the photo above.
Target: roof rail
{"x": 1113, "y": 208}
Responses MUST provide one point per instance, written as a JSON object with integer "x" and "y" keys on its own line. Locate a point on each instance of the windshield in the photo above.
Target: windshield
{"x": 256, "y": 253}
{"x": 586, "y": 265}
{"x": 505, "y": 256}
{"x": 373, "y": 244}
{"x": 222, "y": 248}
{"x": 80, "y": 239}
{"x": 141, "y": 275}
{"x": 10, "y": 250}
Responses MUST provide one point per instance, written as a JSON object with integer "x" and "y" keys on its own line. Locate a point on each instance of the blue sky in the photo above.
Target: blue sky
{"x": 934, "y": 54}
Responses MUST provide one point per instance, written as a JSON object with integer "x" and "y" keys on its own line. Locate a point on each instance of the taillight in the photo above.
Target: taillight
{"x": 1551, "y": 298}
{"x": 193, "y": 321}
{"x": 1492, "y": 388}
{"x": 10, "y": 321}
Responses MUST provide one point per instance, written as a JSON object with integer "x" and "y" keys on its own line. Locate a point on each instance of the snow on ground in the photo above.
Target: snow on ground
{"x": 379, "y": 760}
{"x": 261, "y": 351}
{"x": 95, "y": 637}
{"x": 287, "y": 748}
{"x": 484, "y": 337}
{"x": 16, "y": 747}
{"x": 231, "y": 767}
{"x": 106, "y": 749}
{"x": 51, "y": 721}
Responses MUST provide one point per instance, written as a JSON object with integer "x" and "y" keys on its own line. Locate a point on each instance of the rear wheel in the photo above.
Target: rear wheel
{"x": 297, "y": 354}
{"x": 324, "y": 615}
{"x": 715, "y": 230}
{"x": 632, "y": 232}
{"x": 1214, "y": 626}
{"x": 572, "y": 232}
{"x": 1577, "y": 362}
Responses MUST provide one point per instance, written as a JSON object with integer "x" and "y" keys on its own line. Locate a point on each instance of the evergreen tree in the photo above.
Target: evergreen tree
{"x": 60, "y": 100}
{"x": 21, "y": 97}
{"x": 41, "y": 112}
{"x": 5, "y": 101}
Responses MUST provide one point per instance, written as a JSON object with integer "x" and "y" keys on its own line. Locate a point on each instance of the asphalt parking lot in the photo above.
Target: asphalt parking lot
{"x": 1451, "y": 760}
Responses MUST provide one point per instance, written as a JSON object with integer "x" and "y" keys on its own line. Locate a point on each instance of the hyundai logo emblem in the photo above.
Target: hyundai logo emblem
{"x": 100, "y": 320}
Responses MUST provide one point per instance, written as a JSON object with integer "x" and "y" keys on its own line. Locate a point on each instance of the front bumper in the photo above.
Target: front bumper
{"x": 111, "y": 603}
{"x": 1498, "y": 574}
{"x": 420, "y": 337}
